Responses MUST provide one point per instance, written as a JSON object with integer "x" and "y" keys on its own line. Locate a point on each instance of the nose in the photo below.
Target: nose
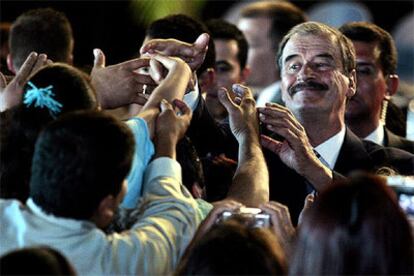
{"x": 305, "y": 73}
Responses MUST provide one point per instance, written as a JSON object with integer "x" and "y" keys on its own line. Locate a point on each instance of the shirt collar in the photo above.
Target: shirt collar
{"x": 72, "y": 224}
{"x": 329, "y": 150}
{"x": 377, "y": 136}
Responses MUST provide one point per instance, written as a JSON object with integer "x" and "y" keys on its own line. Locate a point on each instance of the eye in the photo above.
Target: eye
{"x": 144, "y": 70}
{"x": 223, "y": 68}
{"x": 294, "y": 67}
{"x": 364, "y": 70}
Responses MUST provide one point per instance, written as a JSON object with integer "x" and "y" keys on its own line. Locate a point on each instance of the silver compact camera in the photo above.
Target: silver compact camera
{"x": 252, "y": 217}
{"x": 404, "y": 188}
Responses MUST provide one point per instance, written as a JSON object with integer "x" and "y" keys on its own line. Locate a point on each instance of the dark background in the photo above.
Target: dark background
{"x": 110, "y": 25}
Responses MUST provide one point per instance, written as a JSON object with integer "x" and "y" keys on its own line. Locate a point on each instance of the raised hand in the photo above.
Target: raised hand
{"x": 120, "y": 84}
{"x": 170, "y": 127}
{"x": 192, "y": 54}
{"x": 242, "y": 111}
{"x": 295, "y": 150}
{"x": 11, "y": 93}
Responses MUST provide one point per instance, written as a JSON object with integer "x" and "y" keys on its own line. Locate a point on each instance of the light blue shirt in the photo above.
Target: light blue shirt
{"x": 144, "y": 150}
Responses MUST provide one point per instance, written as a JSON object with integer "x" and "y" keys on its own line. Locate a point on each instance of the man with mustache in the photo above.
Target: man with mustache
{"x": 376, "y": 66}
{"x": 314, "y": 147}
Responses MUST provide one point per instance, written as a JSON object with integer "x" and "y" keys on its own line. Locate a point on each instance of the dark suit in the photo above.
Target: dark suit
{"x": 288, "y": 187}
{"x": 395, "y": 141}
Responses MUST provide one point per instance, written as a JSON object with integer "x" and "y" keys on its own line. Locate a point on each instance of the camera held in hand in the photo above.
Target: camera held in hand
{"x": 251, "y": 217}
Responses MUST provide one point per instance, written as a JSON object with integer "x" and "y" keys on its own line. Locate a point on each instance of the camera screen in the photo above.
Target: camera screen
{"x": 407, "y": 203}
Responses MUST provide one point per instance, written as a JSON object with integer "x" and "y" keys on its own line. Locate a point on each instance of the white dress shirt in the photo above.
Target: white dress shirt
{"x": 377, "y": 136}
{"x": 329, "y": 150}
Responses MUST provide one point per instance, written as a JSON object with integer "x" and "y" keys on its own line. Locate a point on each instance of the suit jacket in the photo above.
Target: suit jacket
{"x": 395, "y": 141}
{"x": 290, "y": 188}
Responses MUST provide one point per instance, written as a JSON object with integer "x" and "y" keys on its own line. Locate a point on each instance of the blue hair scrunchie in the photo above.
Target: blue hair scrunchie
{"x": 42, "y": 97}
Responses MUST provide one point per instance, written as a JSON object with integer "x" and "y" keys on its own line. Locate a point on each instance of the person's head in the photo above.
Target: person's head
{"x": 183, "y": 28}
{"x": 376, "y": 66}
{"x": 230, "y": 65}
{"x": 79, "y": 166}
{"x": 232, "y": 248}
{"x": 231, "y": 53}
{"x": 20, "y": 125}
{"x": 318, "y": 71}
{"x": 354, "y": 228}
{"x": 35, "y": 261}
{"x": 264, "y": 24}
{"x": 41, "y": 30}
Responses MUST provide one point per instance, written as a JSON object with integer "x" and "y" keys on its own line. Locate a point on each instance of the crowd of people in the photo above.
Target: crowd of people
{"x": 262, "y": 148}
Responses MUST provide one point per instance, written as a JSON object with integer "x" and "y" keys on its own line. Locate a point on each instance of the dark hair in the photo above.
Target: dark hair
{"x": 80, "y": 159}
{"x": 319, "y": 29}
{"x": 355, "y": 227}
{"x": 35, "y": 261}
{"x": 284, "y": 16}
{"x": 221, "y": 29}
{"x": 20, "y": 125}
{"x": 184, "y": 28}
{"x": 371, "y": 33}
{"x": 232, "y": 248}
{"x": 44, "y": 31}
{"x": 192, "y": 169}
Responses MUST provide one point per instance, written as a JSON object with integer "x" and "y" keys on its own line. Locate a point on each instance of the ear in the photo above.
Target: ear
{"x": 105, "y": 212}
{"x": 207, "y": 79}
{"x": 352, "y": 84}
{"x": 392, "y": 85}
{"x": 244, "y": 74}
{"x": 10, "y": 64}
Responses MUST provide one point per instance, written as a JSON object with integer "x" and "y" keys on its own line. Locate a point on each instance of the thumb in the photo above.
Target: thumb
{"x": 308, "y": 201}
{"x": 201, "y": 42}
{"x": 225, "y": 99}
{"x": 99, "y": 60}
{"x": 164, "y": 105}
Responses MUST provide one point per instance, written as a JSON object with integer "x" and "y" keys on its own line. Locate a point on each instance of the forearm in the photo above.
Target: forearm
{"x": 165, "y": 147}
{"x": 319, "y": 176}
{"x": 250, "y": 184}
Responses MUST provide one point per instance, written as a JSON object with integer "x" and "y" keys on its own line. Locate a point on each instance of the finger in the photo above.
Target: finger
{"x": 141, "y": 99}
{"x": 3, "y": 81}
{"x": 40, "y": 62}
{"x": 225, "y": 99}
{"x": 310, "y": 198}
{"x": 155, "y": 71}
{"x": 183, "y": 107}
{"x": 136, "y": 63}
{"x": 164, "y": 105}
{"x": 99, "y": 58}
{"x": 270, "y": 143}
{"x": 201, "y": 43}
{"x": 170, "y": 47}
{"x": 242, "y": 91}
{"x": 26, "y": 69}
{"x": 144, "y": 79}
{"x": 168, "y": 62}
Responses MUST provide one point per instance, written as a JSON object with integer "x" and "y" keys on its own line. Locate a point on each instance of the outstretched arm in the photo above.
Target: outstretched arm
{"x": 250, "y": 184}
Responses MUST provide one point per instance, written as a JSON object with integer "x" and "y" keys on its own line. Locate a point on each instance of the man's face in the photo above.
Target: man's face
{"x": 371, "y": 83}
{"x": 261, "y": 55}
{"x": 227, "y": 66}
{"x": 312, "y": 76}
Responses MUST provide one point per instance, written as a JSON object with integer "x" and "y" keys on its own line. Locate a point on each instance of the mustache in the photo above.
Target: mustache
{"x": 307, "y": 84}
